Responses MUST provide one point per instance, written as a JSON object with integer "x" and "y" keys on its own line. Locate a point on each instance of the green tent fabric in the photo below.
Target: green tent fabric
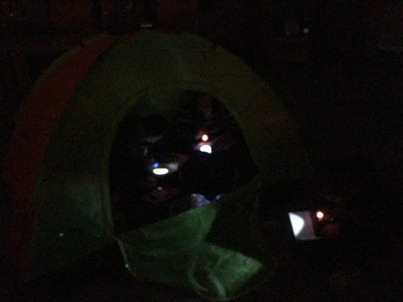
{"x": 65, "y": 206}
{"x": 215, "y": 250}
{"x": 29, "y": 141}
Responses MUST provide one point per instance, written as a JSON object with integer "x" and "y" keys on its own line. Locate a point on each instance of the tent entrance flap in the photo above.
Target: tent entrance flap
{"x": 193, "y": 249}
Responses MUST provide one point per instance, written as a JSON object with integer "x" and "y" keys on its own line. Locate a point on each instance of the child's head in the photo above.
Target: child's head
{"x": 205, "y": 105}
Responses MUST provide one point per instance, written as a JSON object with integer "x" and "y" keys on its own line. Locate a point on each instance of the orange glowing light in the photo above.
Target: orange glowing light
{"x": 320, "y": 215}
{"x": 204, "y": 138}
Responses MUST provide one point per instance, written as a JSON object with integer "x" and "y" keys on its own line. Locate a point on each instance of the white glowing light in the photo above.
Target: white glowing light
{"x": 204, "y": 138}
{"x": 320, "y": 215}
{"x": 206, "y": 149}
{"x": 297, "y": 223}
{"x": 160, "y": 171}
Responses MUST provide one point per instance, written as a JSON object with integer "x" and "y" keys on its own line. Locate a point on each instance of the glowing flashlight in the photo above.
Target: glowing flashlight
{"x": 320, "y": 215}
{"x": 204, "y": 145}
{"x": 157, "y": 170}
{"x": 204, "y": 138}
{"x": 206, "y": 149}
{"x": 160, "y": 171}
{"x": 297, "y": 223}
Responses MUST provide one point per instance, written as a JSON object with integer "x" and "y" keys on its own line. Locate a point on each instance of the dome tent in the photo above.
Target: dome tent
{"x": 58, "y": 160}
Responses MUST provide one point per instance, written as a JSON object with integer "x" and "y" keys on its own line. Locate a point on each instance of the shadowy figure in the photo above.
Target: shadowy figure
{"x": 357, "y": 223}
{"x": 201, "y": 114}
{"x": 202, "y": 119}
{"x": 129, "y": 177}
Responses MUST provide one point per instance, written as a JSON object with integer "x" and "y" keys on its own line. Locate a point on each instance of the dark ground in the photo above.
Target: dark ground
{"x": 102, "y": 277}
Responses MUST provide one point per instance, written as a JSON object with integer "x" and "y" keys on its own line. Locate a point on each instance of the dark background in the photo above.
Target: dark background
{"x": 336, "y": 65}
